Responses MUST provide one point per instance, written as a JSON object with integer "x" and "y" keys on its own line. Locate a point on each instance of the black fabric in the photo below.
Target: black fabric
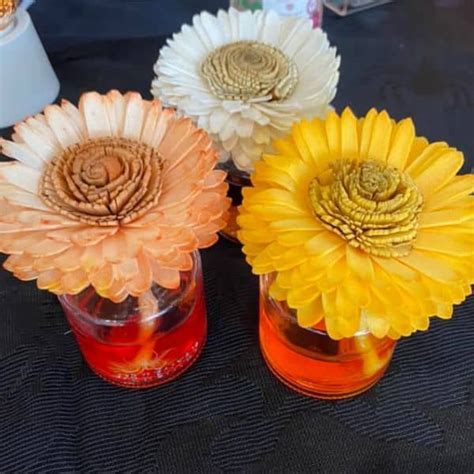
{"x": 228, "y": 413}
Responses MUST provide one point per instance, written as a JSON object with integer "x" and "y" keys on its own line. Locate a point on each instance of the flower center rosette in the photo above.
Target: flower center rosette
{"x": 245, "y": 77}
{"x": 116, "y": 194}
{"x": 365, "y": 225}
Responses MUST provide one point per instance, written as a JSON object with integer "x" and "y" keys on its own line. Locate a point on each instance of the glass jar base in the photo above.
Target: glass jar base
{"x": 320, "y": 390}
{"x": 155, "y": 378}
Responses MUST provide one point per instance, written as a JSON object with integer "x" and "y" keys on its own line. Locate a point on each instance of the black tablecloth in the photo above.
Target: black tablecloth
{"x": 228, "y": 413}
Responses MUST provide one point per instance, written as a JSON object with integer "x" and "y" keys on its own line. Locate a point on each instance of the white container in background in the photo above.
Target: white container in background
{"x": 27, "y": 80}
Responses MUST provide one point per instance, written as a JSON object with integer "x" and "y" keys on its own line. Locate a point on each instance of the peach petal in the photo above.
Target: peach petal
{"x": 143, "y": 279}
{"x": 62, "y": 126}
{"x": 21, "y": 152}
{"x": 48, "y": 247}
{"x": 49, "y": 279}
{"x": 165, "y": 277}
{"x": 21, "y": 176}
{"x": 92, "y": 108}
{"x": 43, "y": 147}
{"x": 92, "y": 259}
{"x": 70, "y": 260}
{"x": 74, "y": 282}
{"x": 151, "y": 122}
{"x": 103, "y": 278}
{"x": 134, "y": 116}
{"x": 126, "y": 270}
{"x": 75, "y": 117}
{"x": 115, "y": 107}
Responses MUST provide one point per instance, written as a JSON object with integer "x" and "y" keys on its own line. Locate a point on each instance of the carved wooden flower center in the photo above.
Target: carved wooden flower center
{"x": 248, "y": 69}
{"x": 373, "y": 206}
{"x": 105, "y": 181}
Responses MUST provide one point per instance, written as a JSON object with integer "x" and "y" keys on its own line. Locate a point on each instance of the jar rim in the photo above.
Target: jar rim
{"x": 65, "y": 300}
{"x": 288, "y": 313}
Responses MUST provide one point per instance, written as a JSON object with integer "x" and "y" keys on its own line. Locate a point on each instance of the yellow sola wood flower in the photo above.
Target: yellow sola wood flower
{"x": 365, "y": 224}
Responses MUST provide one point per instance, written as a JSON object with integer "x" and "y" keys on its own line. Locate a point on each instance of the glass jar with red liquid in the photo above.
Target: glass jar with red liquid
{"x": 309, "y": 361}
{"x": 141, "y": 342}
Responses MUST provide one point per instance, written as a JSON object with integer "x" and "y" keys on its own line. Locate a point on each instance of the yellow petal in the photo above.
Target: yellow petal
{"x": 286, "y": 147}
{"x": 314, "y": 135}
{"x": 304, "y": 223}
{"x": 426, "y": 158}
{"x": 381, "y": 137}
{"x": 444, "y": 218}
{"x": 419, "y": 145}
{"x": 441, "y": 171}
{"x": 323, "y": 243}
{"x": 402, "y": 142}
{"x": 277, "y": 292}
{"x": 366, "y": 133}
{"x": 333, "y": 133}
{"x": 270, "y": 176}
{"x": 349, "y": 135}
{"x": 301, "y": 296}
{"x": 311, "y": 314}
{"x": 300, "y": 141}
{"x": 449, "y": 244}
{"x": 458, "y": 188}
{"x": 430, "y": 265}
{"x": 360, "y": 263}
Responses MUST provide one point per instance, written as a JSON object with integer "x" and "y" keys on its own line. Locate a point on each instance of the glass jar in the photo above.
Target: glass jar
{"x": 141, "y": 342}
{"x": 348, "y": 7}
{"x": 309, "y": 361}
{"x": 305, "y": 8}
{"x": 237, "y": 180}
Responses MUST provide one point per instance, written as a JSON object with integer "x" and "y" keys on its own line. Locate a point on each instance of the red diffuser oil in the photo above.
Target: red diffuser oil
{"x": 141, "y": 342}
{"x": 310, "y": 362}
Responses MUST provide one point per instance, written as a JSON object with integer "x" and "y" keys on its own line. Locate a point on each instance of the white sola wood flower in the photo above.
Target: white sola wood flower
{"x": 246, "y": 77}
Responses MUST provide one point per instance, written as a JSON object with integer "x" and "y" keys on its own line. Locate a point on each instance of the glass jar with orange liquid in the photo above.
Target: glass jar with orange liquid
{"x": 309, "y": 361}
{"x": 141, "y": 342}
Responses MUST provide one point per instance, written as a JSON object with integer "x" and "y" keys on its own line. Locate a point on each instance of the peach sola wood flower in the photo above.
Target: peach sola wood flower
{"x": 365, "y": 224}
{"x": 116, "y": 194}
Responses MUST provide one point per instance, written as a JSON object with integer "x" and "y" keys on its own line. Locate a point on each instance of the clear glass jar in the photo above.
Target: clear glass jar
{"x": 348, "y": 7}
{"x": 141, "y": 342}
{"x": 309, "y": 361}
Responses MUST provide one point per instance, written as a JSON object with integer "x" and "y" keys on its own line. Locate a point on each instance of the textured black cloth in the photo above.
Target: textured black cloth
{"x": 228, "y": 413}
